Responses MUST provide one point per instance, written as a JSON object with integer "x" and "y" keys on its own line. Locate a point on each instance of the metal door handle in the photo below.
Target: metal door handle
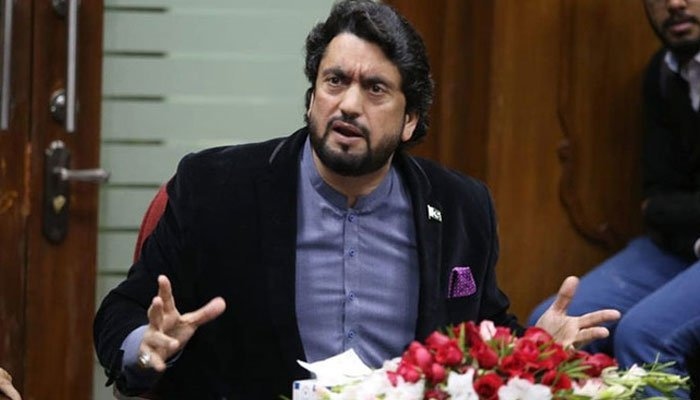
{"x": 6, "y": 65}
{"x": 97, "y": 175}
{"x": 57, "y": 197}
{"x": 69, "y": 9}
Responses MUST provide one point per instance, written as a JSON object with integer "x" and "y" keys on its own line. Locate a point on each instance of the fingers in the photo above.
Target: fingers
{"x": 161, "y": 343}
{"x": 206, "y": 313}
{"x": 155, "y": 348}
{"x": 149, "y": 359}
{"x": 565, "y": 294}
{"x": 155, "y": 313}
{"x": 585, "y": 336}
{"x": 599, "y": 317}
{"x": 165, "y": 292}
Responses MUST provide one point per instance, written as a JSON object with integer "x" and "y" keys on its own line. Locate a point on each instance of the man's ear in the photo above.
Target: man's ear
{"x": 311, "y": 103}
{"x": 410, "y": 123}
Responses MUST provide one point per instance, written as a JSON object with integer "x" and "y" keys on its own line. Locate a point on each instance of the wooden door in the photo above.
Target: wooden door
{"x": 541, "y": 100}
{"x": 47, "y": 285}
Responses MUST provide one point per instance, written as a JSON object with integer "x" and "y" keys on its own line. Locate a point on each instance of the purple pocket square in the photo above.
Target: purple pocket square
{"x": 461, "y": 283}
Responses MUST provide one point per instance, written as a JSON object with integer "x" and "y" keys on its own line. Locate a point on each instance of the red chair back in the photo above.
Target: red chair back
{"x": 150, "y": 219}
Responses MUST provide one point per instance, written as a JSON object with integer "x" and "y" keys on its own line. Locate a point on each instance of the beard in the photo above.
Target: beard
{"x": 341, "y": 161}
{"x": 680, "y": 47}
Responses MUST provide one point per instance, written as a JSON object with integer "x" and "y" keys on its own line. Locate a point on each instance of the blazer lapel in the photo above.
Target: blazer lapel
{"x": 277, "y": 193}
{"x": 428, "y": 219}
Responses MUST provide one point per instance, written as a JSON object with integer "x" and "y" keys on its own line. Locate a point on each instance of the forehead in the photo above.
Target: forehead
{"x": 354, "y": 55}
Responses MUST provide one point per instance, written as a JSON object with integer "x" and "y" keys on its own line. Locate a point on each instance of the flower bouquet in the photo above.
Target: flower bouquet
{"x": 473, "y": 362}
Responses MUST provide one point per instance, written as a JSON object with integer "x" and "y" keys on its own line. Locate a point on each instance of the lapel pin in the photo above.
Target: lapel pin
{"x": 434, "y": 213}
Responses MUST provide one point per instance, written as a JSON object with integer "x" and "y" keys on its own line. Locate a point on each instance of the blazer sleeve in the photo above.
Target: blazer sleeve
{"x": 164, "y": 253}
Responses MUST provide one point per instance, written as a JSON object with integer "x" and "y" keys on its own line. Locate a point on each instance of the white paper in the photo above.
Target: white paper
{"x": 338, "y": 370}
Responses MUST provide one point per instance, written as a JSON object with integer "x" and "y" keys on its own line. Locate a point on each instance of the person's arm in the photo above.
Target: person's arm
{"x": 7, "y": 391}
{"x": 671, "y": 207}
{"x": 145, "y": 297}
{"x": 674, "y": 209}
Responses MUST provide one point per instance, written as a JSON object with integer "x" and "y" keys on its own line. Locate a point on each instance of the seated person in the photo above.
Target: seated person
{"x": 655, "y": 280}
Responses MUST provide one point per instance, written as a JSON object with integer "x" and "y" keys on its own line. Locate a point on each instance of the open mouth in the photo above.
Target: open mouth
{"x": 347, "y": 129}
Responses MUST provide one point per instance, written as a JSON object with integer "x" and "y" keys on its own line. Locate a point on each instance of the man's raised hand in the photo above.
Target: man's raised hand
{"x": 169, "y": 331}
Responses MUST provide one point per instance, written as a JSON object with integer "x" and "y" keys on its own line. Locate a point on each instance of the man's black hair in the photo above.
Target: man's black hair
{"x": 384, "y": 26}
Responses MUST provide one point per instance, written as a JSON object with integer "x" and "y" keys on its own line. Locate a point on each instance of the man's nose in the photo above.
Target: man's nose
{"x": 676, "y": 4}
{"x": 351, "y": 102}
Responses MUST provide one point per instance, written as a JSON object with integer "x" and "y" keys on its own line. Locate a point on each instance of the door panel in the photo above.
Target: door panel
{"x": 14, "y": 193}
{"x": 46, "y": 288}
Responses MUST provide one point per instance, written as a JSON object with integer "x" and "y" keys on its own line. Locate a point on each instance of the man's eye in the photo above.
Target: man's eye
{"x": 334, "y": 80}
{"x": 376, "y": 88}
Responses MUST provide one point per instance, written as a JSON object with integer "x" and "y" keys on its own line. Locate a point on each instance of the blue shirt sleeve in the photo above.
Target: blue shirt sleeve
{"x": 137, "y": 377}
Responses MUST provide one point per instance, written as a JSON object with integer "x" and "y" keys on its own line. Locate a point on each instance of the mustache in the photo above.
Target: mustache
{"x": 350, "y": 121}
{"x": 679, "y": 18}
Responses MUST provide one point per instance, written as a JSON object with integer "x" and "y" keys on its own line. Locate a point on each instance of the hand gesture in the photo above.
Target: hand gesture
{"x": 569, "y": 330}
{"x": 169, "y": 331}
{"x": 6, "y": 388}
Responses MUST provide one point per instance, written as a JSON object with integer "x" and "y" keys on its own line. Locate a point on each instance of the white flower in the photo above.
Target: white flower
{"x": 406, "y": 391}
{"x": 487, "y": 330}
{"x": 374, "y": 385}
{"x": 590, "y": 388}
{"x": 461, "y": 386}
{"x": 521, "y": 389}
{"x": 391, "y": 365}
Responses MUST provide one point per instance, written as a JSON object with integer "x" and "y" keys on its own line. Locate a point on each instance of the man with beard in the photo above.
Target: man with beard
{"x": 303, "y": 247}
{"x": 655, "y": 280}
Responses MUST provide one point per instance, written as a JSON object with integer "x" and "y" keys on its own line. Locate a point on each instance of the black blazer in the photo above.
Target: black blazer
{"x": 230, "y": 230}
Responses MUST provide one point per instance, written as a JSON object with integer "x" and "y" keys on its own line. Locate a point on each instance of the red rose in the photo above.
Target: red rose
{"x": 597, "y": 362}
{"x": 446, "y": 350}
{"x": 409, "y": 372}
{"x": 436, "y": 394}
{"x": 528, "y": 352}
{"x": 579, "y": 355}
{"x": 487, "y": 386}
{"x": 437, "y": 374}
{"x": 471, "y": 333}
{"x": 436, "y": 340}
{"x": 484, "y": 355}
{"x": 556, "y": 380}
{"x": 553, "y": 356}
{"x": 450, "y": 355}
{"x": 503, "y": 335}
{"x": 538, "y": 335}
{"x": 419, "y": 355}
{"x": 513, "y": 365}
{"x": 527, "y": 376}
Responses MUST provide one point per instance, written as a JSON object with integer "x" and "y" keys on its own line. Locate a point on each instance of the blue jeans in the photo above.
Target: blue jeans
{"x": 658, "y": 295}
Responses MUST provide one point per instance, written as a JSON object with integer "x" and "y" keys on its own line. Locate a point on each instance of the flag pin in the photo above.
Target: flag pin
{"x": 434, "y": 213}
